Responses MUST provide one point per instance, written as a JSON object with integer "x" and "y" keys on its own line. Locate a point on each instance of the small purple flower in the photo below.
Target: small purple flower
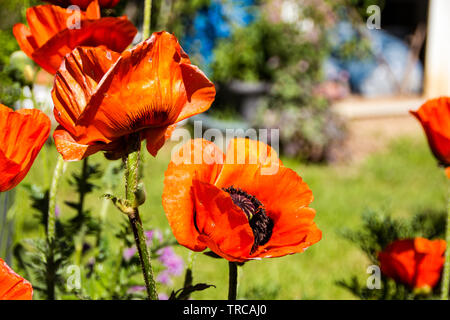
{"x": 57, "y": 211}
{"x": 164, "y": 278}
{"x": 128, "y": 253}
{"x": 163, "y": 296}
{"x": 173, "y": 262}
{"x": 135, "y": 289}
{"x": 151, "y": 234}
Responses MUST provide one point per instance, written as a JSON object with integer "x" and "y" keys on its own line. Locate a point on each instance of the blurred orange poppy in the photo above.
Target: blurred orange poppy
{"x": 83, "y": 4}
{"x": 415, "y": 262}
{"x": 434, "y": 115}
{"x": 24, "y": 132}
{"x": 232, "y": 207}
{"x": 54, "y": 32}
{"x": 101, "y": 98}
{"x": 13, "y": 286}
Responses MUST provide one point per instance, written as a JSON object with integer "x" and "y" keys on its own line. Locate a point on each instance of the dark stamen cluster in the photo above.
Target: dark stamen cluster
{"x": 260, "y": 223}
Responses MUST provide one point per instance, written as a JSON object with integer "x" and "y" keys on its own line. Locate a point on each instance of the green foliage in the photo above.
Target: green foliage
{"x": 185, "y": 292}
{"x": 41, "y": 263}
{"x": 263, "y": 49}
{"x": 87, "y": 259}
{"x": 10, "y": 86}
{"x": 266, "y": 291}
{"x": 12, "y": 76}
{"x": 378, "y": 231}
{"x": 361, "y": 5}
{"x": 290, "y": 61}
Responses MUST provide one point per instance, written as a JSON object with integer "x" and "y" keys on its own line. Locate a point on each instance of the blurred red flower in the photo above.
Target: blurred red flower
{"x": 23, "y": 134}
{"x": 233, "y": 208}
{"x": 434, "y": 115}
{"x": 101, "y": 97}
{"x": 83, "y": 4}
{"x": 54, "y": 32}
{"x": 415, "y": 262}
{"x": 13, "y": 286}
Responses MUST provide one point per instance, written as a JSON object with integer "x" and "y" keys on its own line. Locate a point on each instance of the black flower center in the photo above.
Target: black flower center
{"x": 258, "y": 220}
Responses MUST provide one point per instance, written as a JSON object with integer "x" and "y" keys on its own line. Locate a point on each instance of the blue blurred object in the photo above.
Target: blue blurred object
{"x": 216, "y": 22}
{"x": 383, "y": 72}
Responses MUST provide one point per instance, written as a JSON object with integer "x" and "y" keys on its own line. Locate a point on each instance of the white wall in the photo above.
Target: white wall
{"x": 437, "y": 59}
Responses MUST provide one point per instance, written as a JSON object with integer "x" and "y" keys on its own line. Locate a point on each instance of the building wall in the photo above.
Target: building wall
{"x": 437, "y": 57}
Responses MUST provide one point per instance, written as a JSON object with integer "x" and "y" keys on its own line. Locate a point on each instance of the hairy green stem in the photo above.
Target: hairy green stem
{"x": 59, "y": 169}
{"x": 80, "y": 211}
{"x": 147, "y": 19}
{"x": 131, "y": 176}
{"x": 232, "y": 280}
{"x": 51, "y": 229}
{"x": 446, "y": 272}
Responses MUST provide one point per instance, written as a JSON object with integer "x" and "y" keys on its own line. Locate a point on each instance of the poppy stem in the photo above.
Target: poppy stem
{"x": 51, "y": 229}
{"x": 51, "y": 220}
{"x": 131, "y": 187}
{"x": 147, "y": 19}
{"x": 232, "y": 280}
{"x": 446, "y": 272}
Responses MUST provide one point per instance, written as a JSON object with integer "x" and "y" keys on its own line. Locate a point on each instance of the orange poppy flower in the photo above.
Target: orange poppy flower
{"x": 434, "y": 115}
{"x": 24, "y": 132}
{"x": 236, "y": 204}
{"x": 53, "y": 33}
{"x": 415, "y": 262}
{"x": 83, "y": 4}
{"x": 101, "y": 98}
{"x": 13, "y": 286}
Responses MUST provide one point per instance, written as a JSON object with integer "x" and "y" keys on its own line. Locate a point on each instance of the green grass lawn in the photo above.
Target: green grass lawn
{"x": 402, "y": 180}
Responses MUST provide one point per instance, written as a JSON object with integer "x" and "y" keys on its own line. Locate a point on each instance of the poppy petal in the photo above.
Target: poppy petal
{"x": 13, "y": 286}
{"x": 45, "y": 21}
{"x": 223, "y": 225}
{"x": 150, "y": 103}
{"x": 296, "y": 237}
{"x": 434, "y": 115}
{"x": 24, "y": 134}
{"x": 77, "y": 80}
{"x": 92, "y": 10}
{"x": 177, "y": 199}
{"x": 25, "y": 39}
{"x": 249, "y": 151}
{"x": 70, "y": 149}
{"x": 114, "y": 33}
{"x": 156, "y": 137}
{"x": 246, "y": 159}
{"x": 200, "y": 91}
{"x": 397, "y": 261}
{"x": 431, "y": 262}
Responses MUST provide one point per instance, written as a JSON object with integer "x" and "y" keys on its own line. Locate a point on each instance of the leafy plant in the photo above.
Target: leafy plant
{"x": 289, "y": 59}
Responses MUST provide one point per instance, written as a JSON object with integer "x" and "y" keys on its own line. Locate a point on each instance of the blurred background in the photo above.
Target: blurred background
{"x": 280, "y": 62}
{"x": 338, "y": 88}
